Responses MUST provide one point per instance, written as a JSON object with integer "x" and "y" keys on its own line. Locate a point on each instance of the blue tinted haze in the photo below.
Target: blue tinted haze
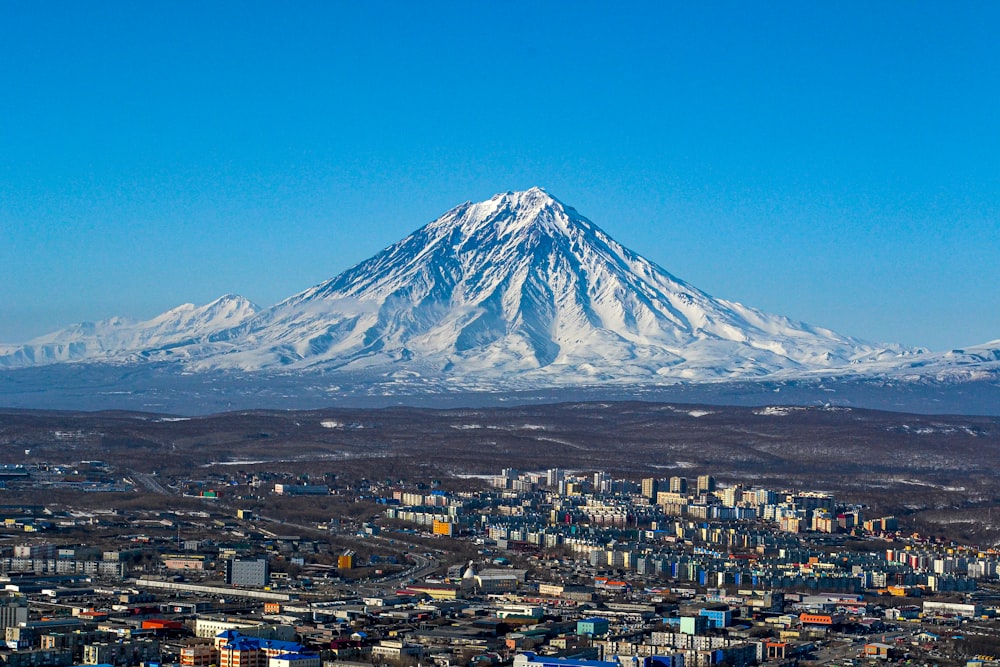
{"x": 832, "y": 162}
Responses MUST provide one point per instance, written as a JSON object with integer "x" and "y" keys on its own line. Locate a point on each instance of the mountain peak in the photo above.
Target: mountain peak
{"x": 532, "y": 198}
{"x": 531, "y": 201}
{"x": 510, "y": 214}
{"x": 233, "y": 302}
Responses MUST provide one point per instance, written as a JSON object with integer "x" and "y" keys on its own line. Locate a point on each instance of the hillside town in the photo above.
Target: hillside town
{"x": 536, "y": 568}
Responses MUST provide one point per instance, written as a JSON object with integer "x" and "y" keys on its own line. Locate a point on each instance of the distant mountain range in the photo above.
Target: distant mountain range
{"x": 516, "y": 292}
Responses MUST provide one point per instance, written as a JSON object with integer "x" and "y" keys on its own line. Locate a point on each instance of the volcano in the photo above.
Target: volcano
{"x": 518, "y": 287}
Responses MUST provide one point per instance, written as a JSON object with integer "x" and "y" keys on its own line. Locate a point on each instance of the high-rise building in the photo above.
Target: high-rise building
{"x": 678, "y": 485}
{"x": 13, "y": 611}
{"x": 602, "y": 483}
{"x": 650, "y": 485}
{"x": 732, "y": 495}
{"x": 554, "y": 476}
{"x": 762, "y": 496}
{"x": 706, "y": 484}
{"x": 848, "y": 520}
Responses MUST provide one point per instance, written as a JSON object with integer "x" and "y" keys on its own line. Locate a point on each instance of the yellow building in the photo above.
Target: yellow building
{"x": 443, "y": 528}
{"x": 436, "y": 591}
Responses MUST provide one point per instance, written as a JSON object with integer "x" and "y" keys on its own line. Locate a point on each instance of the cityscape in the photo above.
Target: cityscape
{"x": 555, "y": 567}
{"x": 499, "y": 334}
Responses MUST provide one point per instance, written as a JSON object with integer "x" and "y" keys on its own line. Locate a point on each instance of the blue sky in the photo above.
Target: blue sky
{"x": 832, "y": 162}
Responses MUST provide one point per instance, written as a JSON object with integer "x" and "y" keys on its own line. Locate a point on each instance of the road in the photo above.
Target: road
{"x": 422, "y": 565}
{"x": 150, "y": 483}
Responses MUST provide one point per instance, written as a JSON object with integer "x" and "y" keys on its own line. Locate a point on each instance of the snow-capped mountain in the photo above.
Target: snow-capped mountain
{"x": 973, "y": 363}
{"x": 119, "y": 338}
{"x": 522, "y": 285}
{"x": 517, "y": 290}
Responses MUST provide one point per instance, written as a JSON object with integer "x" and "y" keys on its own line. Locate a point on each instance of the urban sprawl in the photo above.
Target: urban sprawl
{"x": 531, "y": 569}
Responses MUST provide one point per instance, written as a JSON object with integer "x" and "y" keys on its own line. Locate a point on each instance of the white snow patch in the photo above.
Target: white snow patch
{"x": 777, "y": 410}
{"x": 671, "y": 466}
{"x": 559, "y": 441}
{"x": 918, "y": 482}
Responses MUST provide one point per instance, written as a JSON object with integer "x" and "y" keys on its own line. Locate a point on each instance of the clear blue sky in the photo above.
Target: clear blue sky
{"x": 835, "y": 162}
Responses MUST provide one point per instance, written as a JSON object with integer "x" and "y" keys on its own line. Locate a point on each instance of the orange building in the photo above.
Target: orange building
{"x": 199, "y": 655}
{"x": 235, "y": 650}
{"x": 443, "y": 528}
{"x": 161, "y": 624}
{"x": 821, "y": 619}
{"x": 775, "y": 650}
{"x": 241, "y": 653}
{"x": 879, "y": 651}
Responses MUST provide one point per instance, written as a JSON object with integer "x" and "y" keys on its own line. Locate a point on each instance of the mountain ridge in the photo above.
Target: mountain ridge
{"x": 116, "y": 338}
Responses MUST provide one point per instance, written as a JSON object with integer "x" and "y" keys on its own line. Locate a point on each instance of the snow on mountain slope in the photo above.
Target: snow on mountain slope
{"x": 118, "y": 338}
{"x": 973, "y": 363}
{"x": 516, "y": 291}
{"x": 523, "y": 285}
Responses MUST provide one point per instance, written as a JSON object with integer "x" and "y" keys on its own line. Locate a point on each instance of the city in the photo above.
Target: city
{"x": 551, "y": 567}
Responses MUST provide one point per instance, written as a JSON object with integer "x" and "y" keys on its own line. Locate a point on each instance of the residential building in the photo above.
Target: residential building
{"x": 247, "y": 572}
